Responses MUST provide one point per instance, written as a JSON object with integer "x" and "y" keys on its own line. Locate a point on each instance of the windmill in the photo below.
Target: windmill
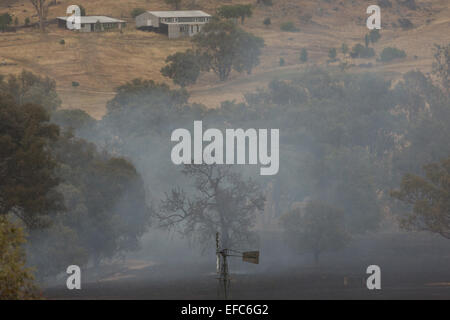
{"x": 222, "y": 264}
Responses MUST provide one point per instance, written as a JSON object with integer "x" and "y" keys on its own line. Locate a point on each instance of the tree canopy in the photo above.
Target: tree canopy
{"x": 27, "y": 165}
{"x": 241, "y": 11}
{"x": 183, "y": 68}
{"x": 16, "y": 280}
{"x": 223, "y": 202}
{"x": 428, "y": 199}
{"x": 441, "y": 65}
{"x": 30, "y": 88}
{"x": 5, "y": 21}
{"x": 225, "y": 47}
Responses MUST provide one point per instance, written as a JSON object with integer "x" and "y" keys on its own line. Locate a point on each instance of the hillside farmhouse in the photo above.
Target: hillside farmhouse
{"x": 174, "y": 24}
{"x": 95, "y": 23}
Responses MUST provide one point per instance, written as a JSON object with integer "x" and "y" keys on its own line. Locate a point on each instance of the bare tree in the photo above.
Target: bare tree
{"x": 221, "y": 202}
{"x": 41, "y": 7}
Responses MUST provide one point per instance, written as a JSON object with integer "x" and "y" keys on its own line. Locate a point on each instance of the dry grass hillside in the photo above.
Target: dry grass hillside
{"x": 102, "y": 61}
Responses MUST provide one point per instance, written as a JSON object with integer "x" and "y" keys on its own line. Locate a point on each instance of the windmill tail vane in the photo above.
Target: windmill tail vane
{"x": 222, "y": 262}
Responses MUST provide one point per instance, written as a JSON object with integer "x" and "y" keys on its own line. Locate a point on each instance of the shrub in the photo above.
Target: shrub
{"x": 289, "y": 26}
{"x": 306, "y": 18}
{"x": 390, "y": 53}
{"x": 282, "y": 62}
{"x": 304, "y": 55}
{"x": 332, "y": 53}
{"x": 27, "y": 21}
{"x": 405, "y": 23}
{"x": 62, "y": 42}
{"x": 267, "y": 22}
{"x": 374, "y": 35}
{"x": 359, "y": 51}
{"x": 75, "y": 84}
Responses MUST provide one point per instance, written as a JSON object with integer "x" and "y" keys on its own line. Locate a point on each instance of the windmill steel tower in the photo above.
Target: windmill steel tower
{"x": 222, "y": 255}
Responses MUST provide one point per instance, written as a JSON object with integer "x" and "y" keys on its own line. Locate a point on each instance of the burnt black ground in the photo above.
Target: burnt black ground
{"x": 154, "y": 283}
{"x": 413, "y": 266}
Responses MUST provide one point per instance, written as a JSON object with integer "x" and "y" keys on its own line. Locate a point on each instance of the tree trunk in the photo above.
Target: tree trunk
{"x": 42, "y": 25}
{"x": 41, "y": 10}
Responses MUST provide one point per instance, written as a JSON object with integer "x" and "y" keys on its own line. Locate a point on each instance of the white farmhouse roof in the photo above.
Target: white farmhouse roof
{"x": 180, "y": 14}
{"x": 94, "y": 19}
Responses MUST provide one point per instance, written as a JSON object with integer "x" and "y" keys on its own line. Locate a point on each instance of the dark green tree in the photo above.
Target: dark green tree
{"x": 248, "y": 52}
{"x": 374, "y": 35}
{"x": 27, "y": 178}
{"x": 104, "y": 196}
{"x": 183, "y": 68}
{"x": 235, "y": 11}
{"x": 223, "y": 47}
{"x": 389, "y": 53}
{"x": 360, "y": 51}
{"x": 5, "y": 21}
